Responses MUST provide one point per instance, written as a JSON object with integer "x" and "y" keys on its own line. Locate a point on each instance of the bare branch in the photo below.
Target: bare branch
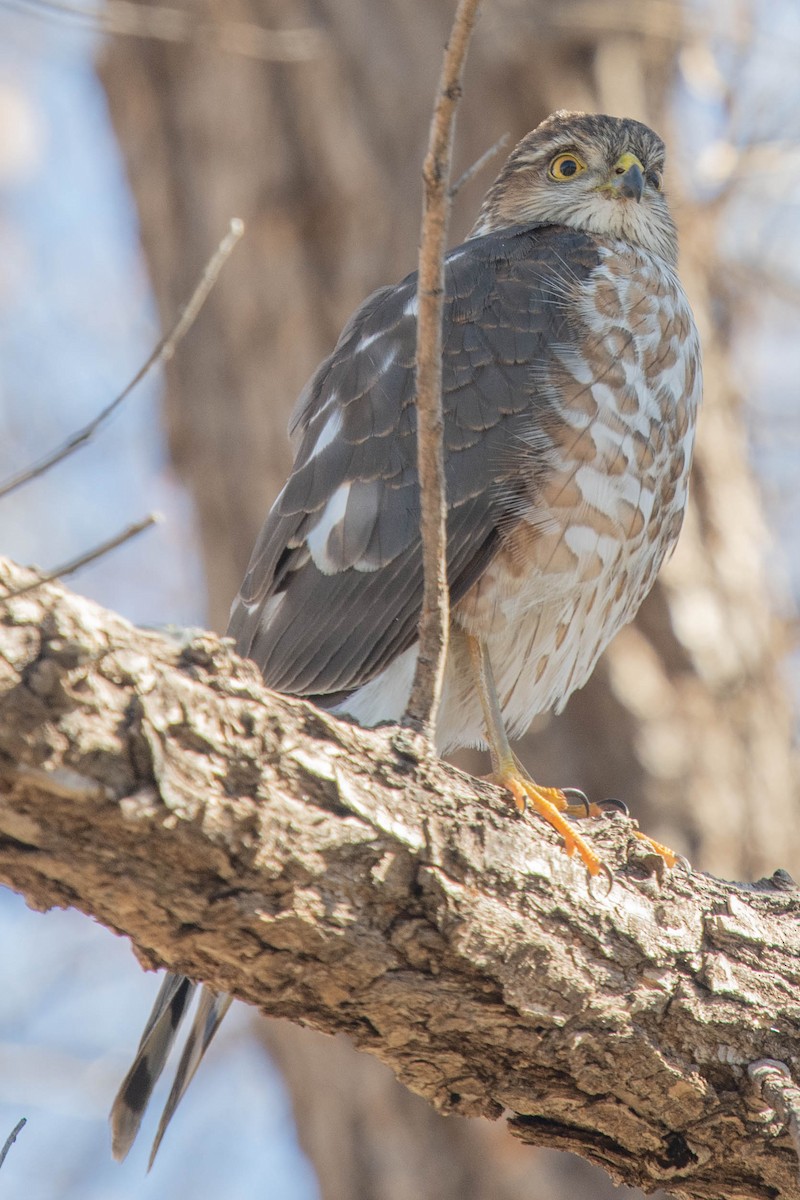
{"x": 125, "y": 19}
{"x": 346, "y": 879}
{"x": 12, "y": 1137}
{"x": 479, "y": 164}
{"x": 90, "y": 556}
{"x": 434, "y": 621}
{"x": 162, "y": 353}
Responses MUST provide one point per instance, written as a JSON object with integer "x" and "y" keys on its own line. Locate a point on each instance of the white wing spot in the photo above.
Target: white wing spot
{"x": 271, "y": 609}
{"x": 410, "y": 307}
{"x": 329, "y": 432}
{"x": 240, "y": 602}
{"x": 367, "y": 341}
{"x": 331, "y": 515}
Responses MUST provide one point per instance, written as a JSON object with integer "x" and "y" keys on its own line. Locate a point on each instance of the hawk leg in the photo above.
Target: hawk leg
{"x": 509, "y": 773}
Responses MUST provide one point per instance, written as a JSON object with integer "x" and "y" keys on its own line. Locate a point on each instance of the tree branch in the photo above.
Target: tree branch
{"x": 344, "y": 879}
{"x": 434, "y": 619}
{"x": 90, "y": 556}
{"x": 476, "y": 167}
{"x": 161, "y": 354}
{"x": 12, "y": 1137}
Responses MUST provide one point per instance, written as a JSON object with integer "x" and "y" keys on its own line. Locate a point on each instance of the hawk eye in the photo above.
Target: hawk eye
{"x": 654, "y": 179}
{"x": 565, "y": 166}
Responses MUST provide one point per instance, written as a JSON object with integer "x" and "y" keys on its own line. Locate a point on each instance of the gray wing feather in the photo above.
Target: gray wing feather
{"x": 332, "y": 593}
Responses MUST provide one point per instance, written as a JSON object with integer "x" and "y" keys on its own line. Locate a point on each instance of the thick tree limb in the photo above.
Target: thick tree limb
{"x": 344, "y": 879}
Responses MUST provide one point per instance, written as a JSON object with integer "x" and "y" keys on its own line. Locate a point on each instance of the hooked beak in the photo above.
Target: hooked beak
{"x": 627, "y": 178}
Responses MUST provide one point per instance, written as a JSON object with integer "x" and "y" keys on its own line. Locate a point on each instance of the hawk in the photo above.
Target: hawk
{"x": 571, "y": 383}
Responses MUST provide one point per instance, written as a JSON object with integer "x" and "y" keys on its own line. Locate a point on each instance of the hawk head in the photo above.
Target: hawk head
{"x": 595, "y": 173}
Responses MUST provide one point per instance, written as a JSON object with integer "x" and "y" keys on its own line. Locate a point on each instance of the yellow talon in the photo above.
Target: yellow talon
{"x": 552, "y": 805}
{"x": 669, "y": 856}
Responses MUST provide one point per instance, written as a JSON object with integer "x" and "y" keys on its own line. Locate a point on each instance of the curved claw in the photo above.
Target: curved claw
{"x": 607, "y": 874}
{"x": 611, "y": 806}
{"x": 578, "y": 800}
{"x": 550, "y": 803}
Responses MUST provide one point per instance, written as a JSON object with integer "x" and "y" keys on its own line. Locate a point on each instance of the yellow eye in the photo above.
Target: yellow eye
{"x": 565, "y": 166}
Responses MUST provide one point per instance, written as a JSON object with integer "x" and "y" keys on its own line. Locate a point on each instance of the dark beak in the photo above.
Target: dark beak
{"x": 631, "y": 183}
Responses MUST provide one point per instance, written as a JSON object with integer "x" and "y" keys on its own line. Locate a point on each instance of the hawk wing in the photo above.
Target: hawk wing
{"x": 333, "y": 590}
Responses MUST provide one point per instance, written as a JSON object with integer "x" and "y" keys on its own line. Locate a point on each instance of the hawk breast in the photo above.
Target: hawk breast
{"x": 568, "y": 395}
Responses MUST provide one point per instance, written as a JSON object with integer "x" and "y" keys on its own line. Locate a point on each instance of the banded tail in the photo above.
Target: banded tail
{"x": 160, "y": 1033}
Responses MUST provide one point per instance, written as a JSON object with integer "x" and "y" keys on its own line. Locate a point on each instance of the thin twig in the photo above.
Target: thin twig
{"x": 12, "y": 1137}
{"x": 75, "y": 564}
{"x": 434, "y": 621}
{"x": 125, "y": 19}
{"x": 162, "y": 353}
{"x": 479, "y": 164}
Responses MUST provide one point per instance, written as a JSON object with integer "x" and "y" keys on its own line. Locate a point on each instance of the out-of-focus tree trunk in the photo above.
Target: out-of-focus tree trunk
{"x": 686, "y": 716}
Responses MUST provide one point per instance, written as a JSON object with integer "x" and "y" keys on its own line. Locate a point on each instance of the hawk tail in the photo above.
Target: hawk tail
{"x": 207, "y": 1020}
{"x": 160, "y": 1032}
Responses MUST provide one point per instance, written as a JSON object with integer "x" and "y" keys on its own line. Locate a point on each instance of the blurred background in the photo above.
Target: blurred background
{"x": 130, "y": 134}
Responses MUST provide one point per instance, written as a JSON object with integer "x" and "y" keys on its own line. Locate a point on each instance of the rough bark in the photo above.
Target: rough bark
{"x": 392, "y": 1143}
{"x": 349, "y": 880}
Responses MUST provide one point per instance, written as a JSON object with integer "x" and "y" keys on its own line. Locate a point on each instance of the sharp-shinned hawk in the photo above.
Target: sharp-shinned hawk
{"x": 571, "y": 382}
